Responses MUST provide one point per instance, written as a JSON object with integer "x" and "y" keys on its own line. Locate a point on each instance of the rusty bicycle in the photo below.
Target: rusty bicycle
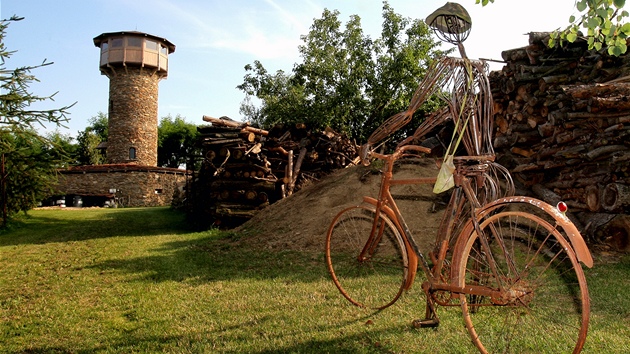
{"x": 511, "y": 264}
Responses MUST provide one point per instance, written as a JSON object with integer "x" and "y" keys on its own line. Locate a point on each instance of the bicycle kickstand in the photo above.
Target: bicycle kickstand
{"x": 431, "y": 319}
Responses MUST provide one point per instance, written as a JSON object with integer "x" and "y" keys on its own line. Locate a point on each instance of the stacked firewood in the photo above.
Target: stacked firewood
{"x": 562, "y": 120}
{"x": 244, "y": 169}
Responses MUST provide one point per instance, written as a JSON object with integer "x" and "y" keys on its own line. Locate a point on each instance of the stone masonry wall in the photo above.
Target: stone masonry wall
{"x": 137, "y": 188}
{"x": 133, "y": 116}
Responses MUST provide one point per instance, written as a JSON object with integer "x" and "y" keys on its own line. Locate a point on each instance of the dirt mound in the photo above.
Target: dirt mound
{"x": 300, "y": 222}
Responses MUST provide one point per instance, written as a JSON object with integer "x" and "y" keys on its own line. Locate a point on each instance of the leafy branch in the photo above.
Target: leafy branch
{"x": 603, "y": 21}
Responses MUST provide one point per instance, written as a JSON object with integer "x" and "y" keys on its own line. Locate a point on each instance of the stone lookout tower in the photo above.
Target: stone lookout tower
{"x": 134, "y": 62}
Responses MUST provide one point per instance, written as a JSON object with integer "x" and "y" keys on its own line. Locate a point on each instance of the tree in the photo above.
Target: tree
{"x": 62, "y": 150}
{"x": 15, "y": 98}
{"x": 176, "y": 141}
{"x": 603, "y": 21}
{"x": 346, "y": 81}
{"x": 26, "y": 169}
{"x": 89, "y": 140}
{"x": 31, "y": 164}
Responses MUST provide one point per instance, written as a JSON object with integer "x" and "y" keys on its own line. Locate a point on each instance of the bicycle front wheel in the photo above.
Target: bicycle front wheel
{"x": 544, "y": 303}
{"x": 369, "y": 268}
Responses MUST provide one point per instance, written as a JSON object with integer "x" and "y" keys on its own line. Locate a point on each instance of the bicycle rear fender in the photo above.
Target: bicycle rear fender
{"x": 413, "y": 258}
{"x": 577, "y": 241}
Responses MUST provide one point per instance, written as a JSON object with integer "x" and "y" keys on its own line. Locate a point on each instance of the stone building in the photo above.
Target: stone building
{"x": 134, "y": 62}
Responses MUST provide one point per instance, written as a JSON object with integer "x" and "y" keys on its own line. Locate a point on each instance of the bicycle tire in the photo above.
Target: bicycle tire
{"x": 545, "y": 307}
{"x": 376, "y": 280}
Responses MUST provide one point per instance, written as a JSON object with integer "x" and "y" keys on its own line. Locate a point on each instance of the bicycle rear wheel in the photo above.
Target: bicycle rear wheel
{"x": 370, "y": 270}
{"x": 544, "y": 306}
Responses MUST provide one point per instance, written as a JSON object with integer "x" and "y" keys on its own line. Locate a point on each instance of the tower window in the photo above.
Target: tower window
{"x": 132, "y": 153}
{"x": 117, "y": 42}
{"x": 134, "y": 41}
{"x": 153, "y": 45}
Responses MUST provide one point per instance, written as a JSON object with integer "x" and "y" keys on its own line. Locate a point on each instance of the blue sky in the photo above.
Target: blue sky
{"x": 215, "y": 39}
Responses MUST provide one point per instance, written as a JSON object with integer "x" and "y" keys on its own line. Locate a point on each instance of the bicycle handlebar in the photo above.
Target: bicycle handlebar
{"x": 399, "y": 152}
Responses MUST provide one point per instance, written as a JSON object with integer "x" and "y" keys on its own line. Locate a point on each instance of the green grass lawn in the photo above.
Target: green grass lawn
{"x": 135, "y": 280}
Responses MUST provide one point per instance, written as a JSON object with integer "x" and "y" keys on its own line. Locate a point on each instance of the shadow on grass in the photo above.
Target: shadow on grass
{"x": 193, "y": 258}
{"x": 215, "y": 341}
{"x": 214, "y": 257}
{"x": 64, "y": 225}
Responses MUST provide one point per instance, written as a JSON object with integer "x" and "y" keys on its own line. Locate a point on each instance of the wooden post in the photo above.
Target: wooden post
{"x": 289, "y": 175}
{"x": 3, "y": 188}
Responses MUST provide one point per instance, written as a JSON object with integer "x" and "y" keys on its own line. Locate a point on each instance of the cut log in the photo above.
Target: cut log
{"x": 615, "y": 197}
{"x": 597, "y": 90}
{"x": 608, "y": 104}
{"x": 226, "y": 122}
{"x": 605, "y": 150}
{"x": 539, "y": 38}
{"x": 515, "y": 54}
{"x": 592, "y": 197}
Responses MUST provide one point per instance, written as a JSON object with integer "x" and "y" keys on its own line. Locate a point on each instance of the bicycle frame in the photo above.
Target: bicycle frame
{"x": 463, "y": 193}
{"x": 386, "y": 203}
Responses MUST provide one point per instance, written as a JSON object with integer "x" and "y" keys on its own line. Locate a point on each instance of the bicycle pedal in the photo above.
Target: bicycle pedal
{"x": 426, "y": 323}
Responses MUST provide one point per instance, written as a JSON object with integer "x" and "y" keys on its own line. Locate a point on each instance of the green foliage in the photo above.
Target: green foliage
{"x": 603, "y": 21}
{"x": 346, "y": 80}
{"x": 62, "y": 150}
{"x": 89, "y": 139}
{"x": 176, "y": 141}
{"x": 30, "y": 164}
{"x": 28, "y": 159}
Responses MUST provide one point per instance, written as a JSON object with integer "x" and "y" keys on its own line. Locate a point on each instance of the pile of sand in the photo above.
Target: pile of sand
{"x": 300, "y": 222}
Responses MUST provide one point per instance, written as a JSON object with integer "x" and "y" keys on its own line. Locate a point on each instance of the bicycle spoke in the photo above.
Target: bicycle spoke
{"x": 369, "y": 265}
{"x": 544, "y": 302}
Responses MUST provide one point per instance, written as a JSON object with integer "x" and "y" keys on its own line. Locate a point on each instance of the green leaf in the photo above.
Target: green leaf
{"x": 581, "y": 5}
{"x": 619, "y": 3}
{"x": 625, "y": 29}
{"x": 571, "y": 37}
{"x": 597, "y": 45}
{"x": 620, "y": 42}
{"x": 615, "y": 51}
{"x": 552, "y": 43}
{"x": 572, "y": 19}
{"x": 593, "y": 22}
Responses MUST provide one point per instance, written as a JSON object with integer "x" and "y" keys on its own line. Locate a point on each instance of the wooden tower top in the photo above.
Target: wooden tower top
{"x": 133, "y": 48}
